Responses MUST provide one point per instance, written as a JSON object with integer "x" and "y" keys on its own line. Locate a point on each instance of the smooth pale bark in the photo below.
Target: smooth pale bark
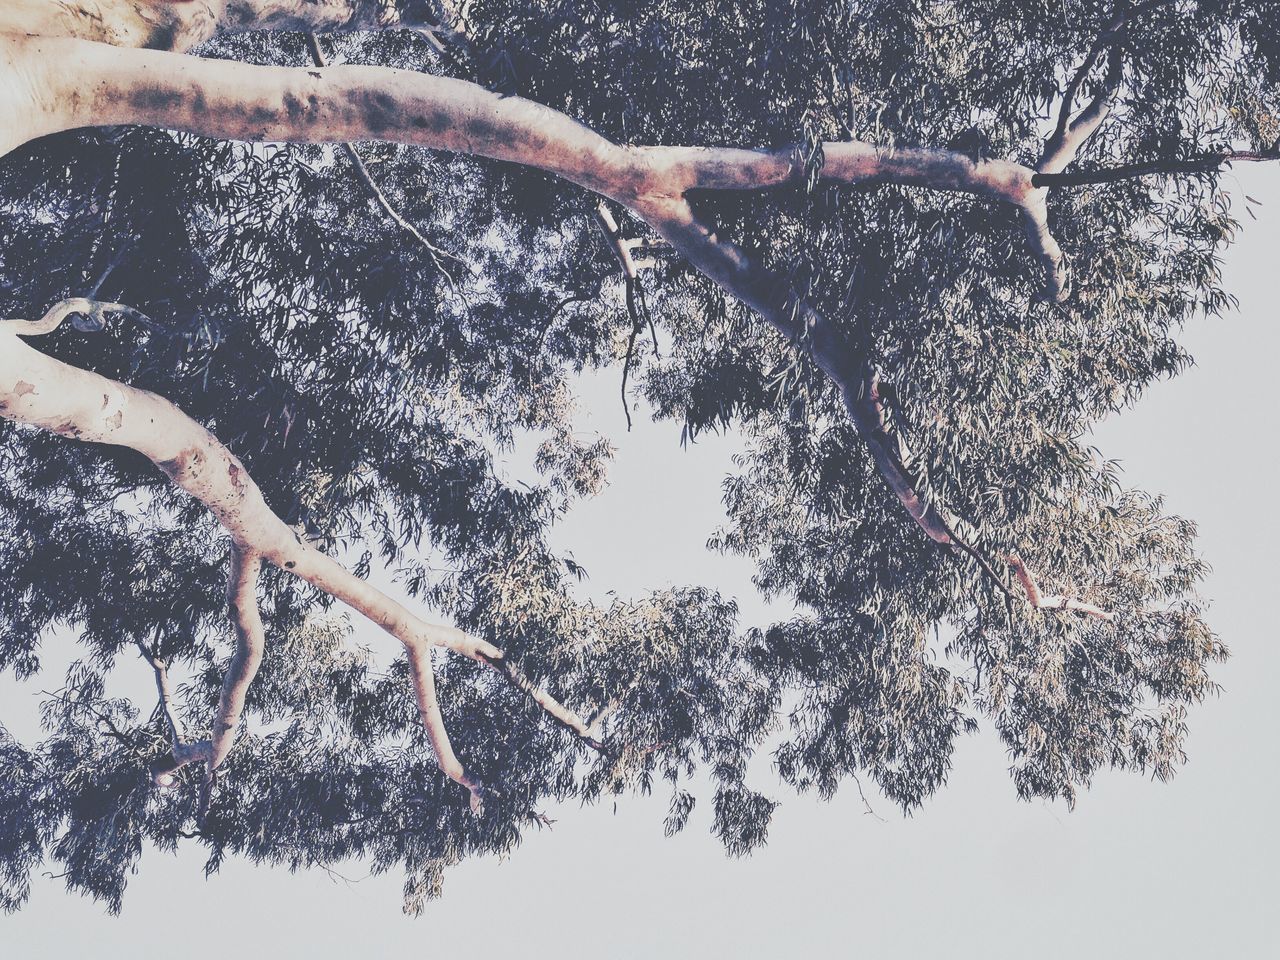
{"x": 231, "y": 100}
{"x": 70, "y": 83}
{"x": 242, "y": 607}
{"x": 42, "y": 392}
{"x": 239, "y": 101}
{"x": 1053, "y": 601}
{"x": 182, "y": 24}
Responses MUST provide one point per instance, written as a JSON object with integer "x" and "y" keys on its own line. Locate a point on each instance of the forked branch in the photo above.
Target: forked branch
{"x": 40, "y": 391}
{"x": 1053, "y": 601}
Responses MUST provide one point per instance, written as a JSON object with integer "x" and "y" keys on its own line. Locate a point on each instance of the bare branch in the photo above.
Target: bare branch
{"x": 1129, "y": 171}
{"x": 42, "y": 392}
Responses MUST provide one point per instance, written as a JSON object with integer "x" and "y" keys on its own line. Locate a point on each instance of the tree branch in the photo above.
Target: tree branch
{"x": 1052, "y": 602}
{"x": 860, "y": 385}
{"x": 183, "y": 751}
{"x": 242, "y": 605}
{"x": 437, "y": 255}
{"x": 341, "y": 104}
{"x": 42, "y": 392}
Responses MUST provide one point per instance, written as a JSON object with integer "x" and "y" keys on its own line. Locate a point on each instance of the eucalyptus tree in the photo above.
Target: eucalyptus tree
{"x": 293, "y": 272}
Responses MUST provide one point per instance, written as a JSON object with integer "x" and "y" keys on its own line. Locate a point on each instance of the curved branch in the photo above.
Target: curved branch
{"x": 346, "y": 103}
{"x": 37, "y": 390}
{"x": 1052, "y": 602}
{"x": 238, "y": 101}
{"x": 242, "y": 605}
{"x": 751, "y": 282}
{"x": 1129, "y": 171}
{"x": 183, "y": 750}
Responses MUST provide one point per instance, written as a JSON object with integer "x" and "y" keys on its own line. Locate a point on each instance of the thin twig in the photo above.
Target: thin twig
{"x": 437, "y": 255}
{"x": 1129, "y": 171}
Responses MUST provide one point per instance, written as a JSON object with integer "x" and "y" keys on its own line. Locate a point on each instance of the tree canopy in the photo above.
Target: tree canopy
{"x": 912, "y": 250}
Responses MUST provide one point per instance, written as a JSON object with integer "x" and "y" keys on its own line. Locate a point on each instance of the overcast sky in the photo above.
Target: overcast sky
{"x": 1140, "y": 869}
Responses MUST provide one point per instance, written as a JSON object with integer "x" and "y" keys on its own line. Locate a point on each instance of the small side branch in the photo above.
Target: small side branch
{"x": 563, "y": 715}
{"x": 183, "y": 751}
{"x": 637, "y": 306}
{"x": 89, "y": 314}
{"x": 1129, "y": 171}
{"x": 751, "y": 282}
{"x": 1052, "y": 601}
{"x": 437, "y": 255}
{"x": 623, "y": 248}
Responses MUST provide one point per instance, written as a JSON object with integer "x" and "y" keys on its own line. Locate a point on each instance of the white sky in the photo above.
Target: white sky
{"x": 1140, "y": 869}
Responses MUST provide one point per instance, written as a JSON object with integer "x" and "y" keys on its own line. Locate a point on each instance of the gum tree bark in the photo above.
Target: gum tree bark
{"x": 69, "y": 83}
{"x": 66, "y": 64}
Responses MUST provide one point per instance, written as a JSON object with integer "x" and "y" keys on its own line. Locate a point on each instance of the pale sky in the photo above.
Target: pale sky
{"x": 1140, "y": 869}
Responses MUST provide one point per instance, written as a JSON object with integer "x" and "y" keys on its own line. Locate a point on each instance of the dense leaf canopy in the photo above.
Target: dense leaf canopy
{"x": 368, "y": 384}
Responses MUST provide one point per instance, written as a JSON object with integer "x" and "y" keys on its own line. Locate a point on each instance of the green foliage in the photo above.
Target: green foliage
{"x": 367, "y": 387}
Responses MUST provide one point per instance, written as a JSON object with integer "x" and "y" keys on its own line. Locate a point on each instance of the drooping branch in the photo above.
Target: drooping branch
{"x": 849, "y": 367}
{"x": 585, "y": 730}
{"x": 1130, "y": 171}
{"x": 242, "y": 605}
{"x": 637, "y": 307}
{"x": 40, "y": 391}
{"x": 622, "y": 247}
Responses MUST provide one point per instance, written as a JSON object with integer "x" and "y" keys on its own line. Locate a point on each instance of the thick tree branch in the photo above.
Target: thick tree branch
{"x": 80, "y": 84}
{"x": 242, "y": 605}
{"x": 182, "y": 24}
{"x": 42, "y": 392}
